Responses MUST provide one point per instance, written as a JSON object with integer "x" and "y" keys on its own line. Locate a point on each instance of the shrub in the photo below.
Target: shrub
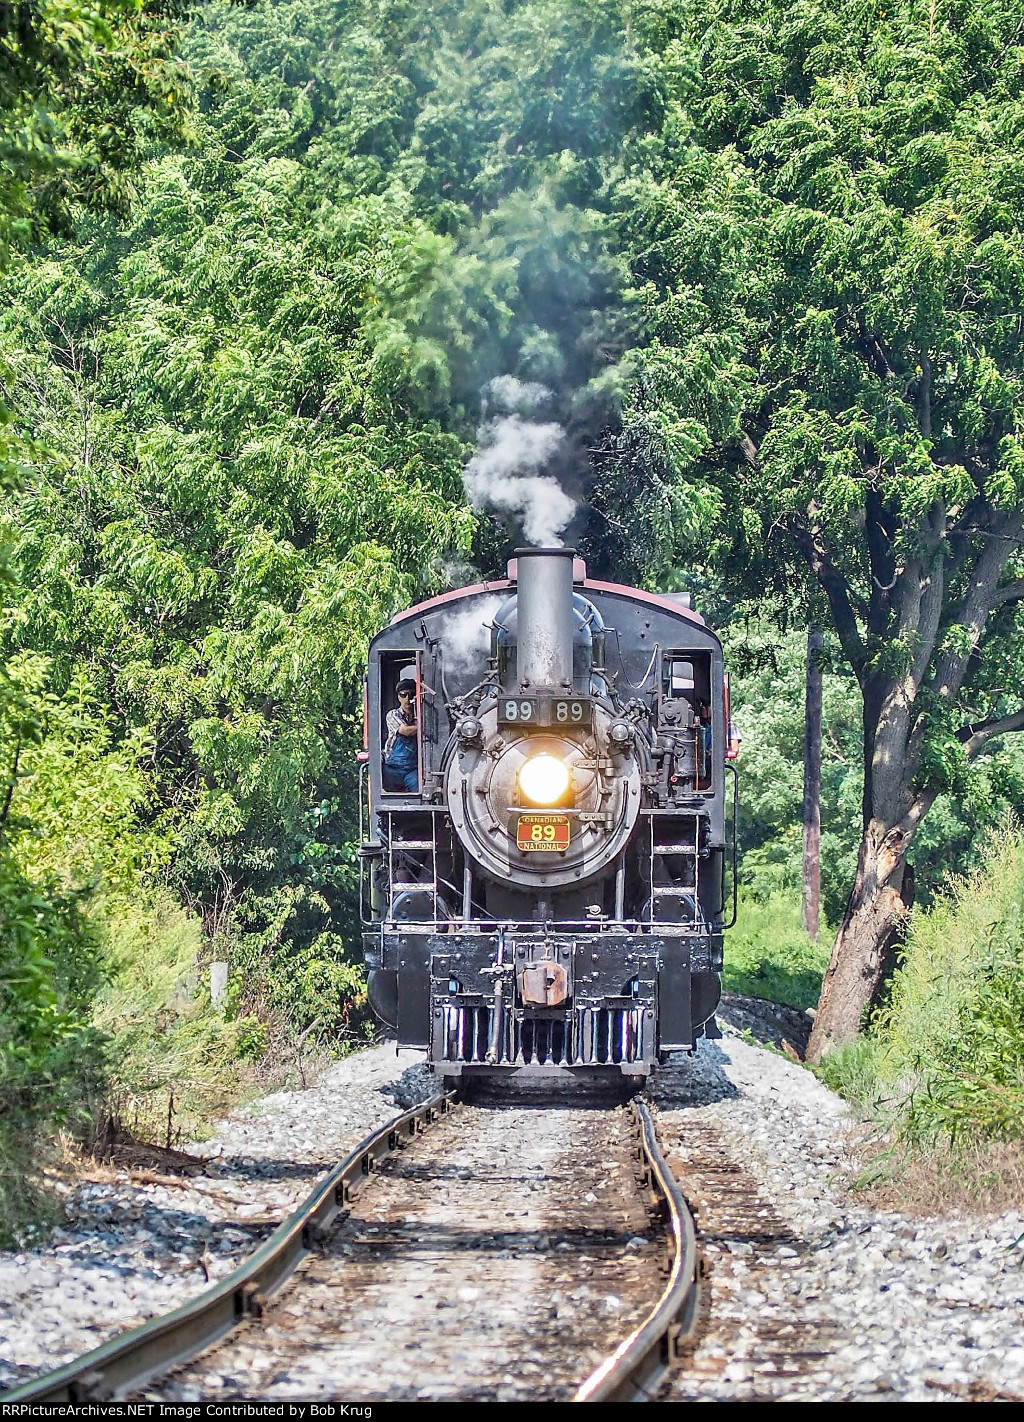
{"x": 51, "y": 1061}
{"x": 173, "y": 1056}
{"x": 769, "y": 955}
{"x": 941, "y": 1067}
{"x": 953, "y": 1032}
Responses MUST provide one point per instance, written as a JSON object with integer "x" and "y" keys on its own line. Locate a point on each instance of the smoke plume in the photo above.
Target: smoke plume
{"x": 512, "y": 448}
{"x": 467, "y": 635}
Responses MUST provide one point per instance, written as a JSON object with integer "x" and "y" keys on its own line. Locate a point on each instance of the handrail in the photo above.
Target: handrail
{"x": 735, "y": 846}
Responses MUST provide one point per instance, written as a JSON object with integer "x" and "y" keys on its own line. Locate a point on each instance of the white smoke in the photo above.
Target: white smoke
{"x": 504, "y": 474}
{"x": 515, "y": 397}
{"x": 467, "y": 636}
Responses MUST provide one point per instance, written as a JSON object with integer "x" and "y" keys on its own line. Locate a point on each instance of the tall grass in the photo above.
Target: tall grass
{"x": 943, "y": 1063}
{"x": 173, "y": 1056}
{"x": 769, "y": 955}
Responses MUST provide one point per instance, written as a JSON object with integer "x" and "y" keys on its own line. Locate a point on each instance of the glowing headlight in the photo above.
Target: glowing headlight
{"x": 544, "y": 779}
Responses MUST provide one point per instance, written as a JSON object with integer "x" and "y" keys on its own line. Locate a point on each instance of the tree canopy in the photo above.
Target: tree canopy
{"x": 832, "y": 235}
{"x": 85, "y": 89}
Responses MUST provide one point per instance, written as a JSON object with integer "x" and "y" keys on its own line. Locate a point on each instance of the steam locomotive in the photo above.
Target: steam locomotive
{"x": 546, "y": 895}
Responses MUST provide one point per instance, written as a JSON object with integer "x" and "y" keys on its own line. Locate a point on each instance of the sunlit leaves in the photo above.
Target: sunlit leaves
{"x": 85, "y": 88}
{"x": 877, "y": 194}
{"x": 229, "y": 495}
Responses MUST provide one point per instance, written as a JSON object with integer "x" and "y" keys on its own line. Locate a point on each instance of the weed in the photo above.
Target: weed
{"x": 852, "y": 1072}
{"x": 769, "y": 955}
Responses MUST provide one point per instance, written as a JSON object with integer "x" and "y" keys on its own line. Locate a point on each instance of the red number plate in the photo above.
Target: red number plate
{"x": 542, "y": 832}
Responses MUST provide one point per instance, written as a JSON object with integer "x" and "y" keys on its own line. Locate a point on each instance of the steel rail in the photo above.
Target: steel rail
{"x": 129, "y": 1360}
{"x": 637, "y": 1367}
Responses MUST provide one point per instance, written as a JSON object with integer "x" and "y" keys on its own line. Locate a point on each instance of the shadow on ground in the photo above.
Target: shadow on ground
{"x": 772, "y": 1022}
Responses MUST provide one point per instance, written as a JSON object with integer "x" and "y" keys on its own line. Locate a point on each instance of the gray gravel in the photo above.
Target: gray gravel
{"x": 134, "y": 1248}
{"x": 814, "y": 1296}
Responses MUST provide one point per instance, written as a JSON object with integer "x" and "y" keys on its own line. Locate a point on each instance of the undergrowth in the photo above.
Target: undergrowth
{"x": 769, "y": 955}
{"x": 173, "y": 1056}
{"x": 941, "y": 1068}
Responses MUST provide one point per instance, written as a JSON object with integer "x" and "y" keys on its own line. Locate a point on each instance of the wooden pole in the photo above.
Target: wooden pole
{"x": 812, "y": 786}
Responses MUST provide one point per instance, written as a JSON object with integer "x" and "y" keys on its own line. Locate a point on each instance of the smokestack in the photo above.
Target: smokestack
{"x": 544, "y": 622}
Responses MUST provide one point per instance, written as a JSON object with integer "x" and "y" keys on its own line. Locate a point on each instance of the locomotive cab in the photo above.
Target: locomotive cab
{"x": 551, "y": 899}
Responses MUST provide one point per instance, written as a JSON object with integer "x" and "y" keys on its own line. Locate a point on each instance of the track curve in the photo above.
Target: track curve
{"x": 501, "y": 1256}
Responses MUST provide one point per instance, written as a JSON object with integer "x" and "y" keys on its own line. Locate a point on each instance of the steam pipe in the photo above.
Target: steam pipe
{"x": 544, "y": 620}
{"x": 620, "y": 889}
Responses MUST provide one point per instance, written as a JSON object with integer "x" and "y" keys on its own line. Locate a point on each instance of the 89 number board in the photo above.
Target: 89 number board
{"x": 544, "y": 711}
{"x": 542, "y": 832}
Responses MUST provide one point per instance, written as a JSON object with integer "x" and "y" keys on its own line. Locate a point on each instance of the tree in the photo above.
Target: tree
{"x": 86, "y": 86}
{"x": 233, "y": 485}
{"x": 85, "y": 90}
{"x": 831, "y": 241}
{"x": 253, "y": 399}
{"x": 769, "y": 706}
{"x": 811, "y": 914}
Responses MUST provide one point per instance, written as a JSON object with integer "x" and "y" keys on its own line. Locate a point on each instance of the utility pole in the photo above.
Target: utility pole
{"x": 812, "y": 785}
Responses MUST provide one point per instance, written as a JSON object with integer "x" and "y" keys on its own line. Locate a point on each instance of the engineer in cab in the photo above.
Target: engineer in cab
{"x": 401, "y": 749}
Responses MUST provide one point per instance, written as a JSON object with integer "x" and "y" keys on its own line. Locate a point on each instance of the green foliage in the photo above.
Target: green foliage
{"x": 768, "y": 689}
{"x": 51, "y": 1065}
{"x": 85, "y": 90}
{"x": 769, "y": 955}
{"x": 825, "y": 231}
{"x": 944, "y": 1062}
{"x": 957, "y": 1007}
{"x": 173, "y": 1058}
{"x": 249, "y": 406}
{"x": 101, "y": 1013}
{"x": 224, "y": 514}
{"x": 318, "y": 985}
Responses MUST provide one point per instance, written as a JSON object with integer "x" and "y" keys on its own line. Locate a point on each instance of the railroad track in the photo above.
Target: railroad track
{"x": 784, "y": 1352}
{"x": 486, "y": 1261}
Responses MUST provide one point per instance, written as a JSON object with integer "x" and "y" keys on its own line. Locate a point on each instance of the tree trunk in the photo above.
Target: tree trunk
{"x": 812, "y": 786}
{"x": 911, "y": 674}
{"x": 876, "y": 911}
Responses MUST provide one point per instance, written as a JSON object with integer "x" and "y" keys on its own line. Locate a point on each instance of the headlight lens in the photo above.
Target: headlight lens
{"x": 544, "y": 779}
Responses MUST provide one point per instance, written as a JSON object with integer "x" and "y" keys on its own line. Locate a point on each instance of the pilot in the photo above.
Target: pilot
{"x": 401, "y": 750}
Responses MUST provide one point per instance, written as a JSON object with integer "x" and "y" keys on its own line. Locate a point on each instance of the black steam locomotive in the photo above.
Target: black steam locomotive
{"x": 544, "y": 887}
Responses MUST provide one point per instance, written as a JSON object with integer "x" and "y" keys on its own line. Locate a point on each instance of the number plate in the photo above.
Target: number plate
{"x": 542, "y": 832}
{"x": 558, "y": 711}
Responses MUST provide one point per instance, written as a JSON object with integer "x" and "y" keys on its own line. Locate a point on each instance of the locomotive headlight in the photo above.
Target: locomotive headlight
{"x": 544, "y": 779}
